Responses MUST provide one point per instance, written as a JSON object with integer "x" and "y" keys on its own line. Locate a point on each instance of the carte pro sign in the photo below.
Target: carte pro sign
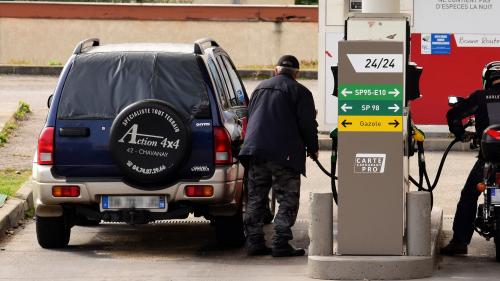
{"x": 371, "y": 148}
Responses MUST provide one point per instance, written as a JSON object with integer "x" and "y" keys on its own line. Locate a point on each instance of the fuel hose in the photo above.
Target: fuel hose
{"x": 422, "y": 171}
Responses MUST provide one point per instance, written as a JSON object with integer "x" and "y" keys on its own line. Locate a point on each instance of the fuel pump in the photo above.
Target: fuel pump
{"x": 383, "y": 231}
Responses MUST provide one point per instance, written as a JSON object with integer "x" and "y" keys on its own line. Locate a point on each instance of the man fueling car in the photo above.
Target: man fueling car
{"x": 281, "y": 127}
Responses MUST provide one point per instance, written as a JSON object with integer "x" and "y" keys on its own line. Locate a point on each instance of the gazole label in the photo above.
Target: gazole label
{"x": 370, "y": 123}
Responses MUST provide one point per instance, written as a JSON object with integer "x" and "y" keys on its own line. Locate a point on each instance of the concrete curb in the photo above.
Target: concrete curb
{"x": 56, "y": 70}
{"x": 379, "y": 267}
{"x": 15, "y": 208}
{"x": 30, "y": 70}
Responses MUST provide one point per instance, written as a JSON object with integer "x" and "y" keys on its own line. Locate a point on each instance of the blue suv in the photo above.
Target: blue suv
{"x": 142, "y": 132}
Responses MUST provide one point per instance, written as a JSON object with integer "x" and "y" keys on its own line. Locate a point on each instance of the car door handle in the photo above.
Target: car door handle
{"x": 74, "y": 132}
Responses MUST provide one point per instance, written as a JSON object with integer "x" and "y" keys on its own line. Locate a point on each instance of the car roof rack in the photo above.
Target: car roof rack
{"x": 83, "y": 45}
{"x": 198, "y": 45}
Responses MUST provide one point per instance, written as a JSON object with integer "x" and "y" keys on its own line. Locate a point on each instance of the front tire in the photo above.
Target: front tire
{"x": 229, "y": 230}
{"x": 52, "y": 233}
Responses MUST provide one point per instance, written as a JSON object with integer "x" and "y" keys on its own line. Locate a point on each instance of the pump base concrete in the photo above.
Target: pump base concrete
{"x": 379, "y": 267}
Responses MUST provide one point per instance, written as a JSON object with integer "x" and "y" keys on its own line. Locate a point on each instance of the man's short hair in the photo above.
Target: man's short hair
{"x": 287, "y": 70}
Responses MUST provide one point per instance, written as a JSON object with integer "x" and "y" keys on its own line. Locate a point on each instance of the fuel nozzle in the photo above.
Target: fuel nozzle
{"x": 418, "y": 135}
{"x": 334, "y": 135}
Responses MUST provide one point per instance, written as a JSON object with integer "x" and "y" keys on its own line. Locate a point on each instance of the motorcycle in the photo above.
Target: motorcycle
{"x": 487, "y": 222}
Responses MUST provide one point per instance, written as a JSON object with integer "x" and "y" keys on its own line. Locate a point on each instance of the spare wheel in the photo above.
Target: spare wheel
{"x": 149, "y": 142}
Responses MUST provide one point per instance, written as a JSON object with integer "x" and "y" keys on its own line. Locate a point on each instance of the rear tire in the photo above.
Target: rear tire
{"x": 497, "y": 234}
{"x": 229, "y": 231}
{"x": 52, "y": 233}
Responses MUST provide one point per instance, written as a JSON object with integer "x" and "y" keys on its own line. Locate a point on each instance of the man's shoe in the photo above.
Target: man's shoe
{"x": 287, "y": 250}
{"x": 454, "y": 248}
{"x": 258, "y": 250}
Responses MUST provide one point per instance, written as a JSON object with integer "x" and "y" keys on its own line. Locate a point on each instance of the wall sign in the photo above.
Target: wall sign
{"x": 436, "y": 44}
{"x": 456, "y": 16}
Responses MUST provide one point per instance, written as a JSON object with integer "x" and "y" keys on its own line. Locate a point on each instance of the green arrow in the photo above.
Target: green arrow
{"x": 395, "y": 108}
{"x": 394, "y": 93}
{"x": 345, "y": 107}
{"x": 346, "y": 92}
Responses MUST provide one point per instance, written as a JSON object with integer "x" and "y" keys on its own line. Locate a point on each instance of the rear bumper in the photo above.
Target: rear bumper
{"x": 227, "y": 182}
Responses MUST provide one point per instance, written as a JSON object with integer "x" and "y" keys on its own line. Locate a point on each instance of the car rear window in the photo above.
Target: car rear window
{"x": 100, "y": 85}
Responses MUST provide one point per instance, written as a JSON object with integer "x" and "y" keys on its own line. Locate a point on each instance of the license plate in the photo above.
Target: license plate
{"x": 495, "y": 196}
{"x": 133, "y": 202}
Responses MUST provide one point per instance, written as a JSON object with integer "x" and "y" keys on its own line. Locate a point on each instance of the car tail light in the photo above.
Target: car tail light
{"x": 222, "y": 143}
{"x": 46, "y": 146}
{"x": 66, "y": 191}
{"x": 494, "y": 134}
{"x": 199, "y": 191}
{"x": 498, "y": 179}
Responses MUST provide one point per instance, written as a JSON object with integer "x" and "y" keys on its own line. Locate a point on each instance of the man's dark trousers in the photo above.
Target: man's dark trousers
{"x": 287, "y": 191}
{"x": 463, "y": 224}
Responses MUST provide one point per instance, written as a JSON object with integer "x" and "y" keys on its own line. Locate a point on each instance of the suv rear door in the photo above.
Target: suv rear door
{"x": 100, "y": 85}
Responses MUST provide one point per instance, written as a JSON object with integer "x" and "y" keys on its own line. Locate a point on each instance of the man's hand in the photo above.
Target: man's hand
{"x": 467, "y": 136}
{"x": 313, "y": 155}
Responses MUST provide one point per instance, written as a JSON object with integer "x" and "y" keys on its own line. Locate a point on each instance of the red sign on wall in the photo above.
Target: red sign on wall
{"x": 456, "y": 74}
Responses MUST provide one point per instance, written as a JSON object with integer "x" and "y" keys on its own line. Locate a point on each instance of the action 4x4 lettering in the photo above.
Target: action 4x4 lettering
{"x": 144, "y": 139}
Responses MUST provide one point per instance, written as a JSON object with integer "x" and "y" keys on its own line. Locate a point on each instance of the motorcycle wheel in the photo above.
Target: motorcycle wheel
{"x": 497, "y": 233}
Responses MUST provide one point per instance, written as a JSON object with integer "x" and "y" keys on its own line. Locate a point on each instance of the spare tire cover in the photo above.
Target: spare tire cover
{"x": 149, "y": 141}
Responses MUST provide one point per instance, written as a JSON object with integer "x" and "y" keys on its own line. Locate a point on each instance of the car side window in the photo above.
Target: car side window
{"x": 238, "y": 88}
{"x": 233, "y": 100}
{"x": 218, "y": 84}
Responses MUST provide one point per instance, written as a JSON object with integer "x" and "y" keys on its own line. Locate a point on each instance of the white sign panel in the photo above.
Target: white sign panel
{"x": 376, "y": 63}
{"x": 369, "y": 163}
{"x": 457, "y": 16}
{"x": 477, "y": 40}
{"x": 331, "y": 59}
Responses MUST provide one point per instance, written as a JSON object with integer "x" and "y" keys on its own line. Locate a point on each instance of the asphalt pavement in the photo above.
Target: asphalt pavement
{"x": 186, "y": 250}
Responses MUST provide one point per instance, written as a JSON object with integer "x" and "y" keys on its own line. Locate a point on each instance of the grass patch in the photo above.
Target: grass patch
{"x": 22, "y": 110}
{"x": 11, "y": 180}
{"x": 54, "y": 63}
{"x": 19, "y": 62}
{"x": 21, "y": 114}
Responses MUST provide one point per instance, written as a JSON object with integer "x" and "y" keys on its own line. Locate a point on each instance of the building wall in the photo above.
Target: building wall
{"x": 42, "y": 33}
{"x": 39, "y": 41}
{"x": 244, "y": 2}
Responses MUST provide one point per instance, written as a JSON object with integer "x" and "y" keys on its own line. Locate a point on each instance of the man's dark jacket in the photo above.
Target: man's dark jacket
{"x": 483, "y": 104}
{"x": 281, "y": 123}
